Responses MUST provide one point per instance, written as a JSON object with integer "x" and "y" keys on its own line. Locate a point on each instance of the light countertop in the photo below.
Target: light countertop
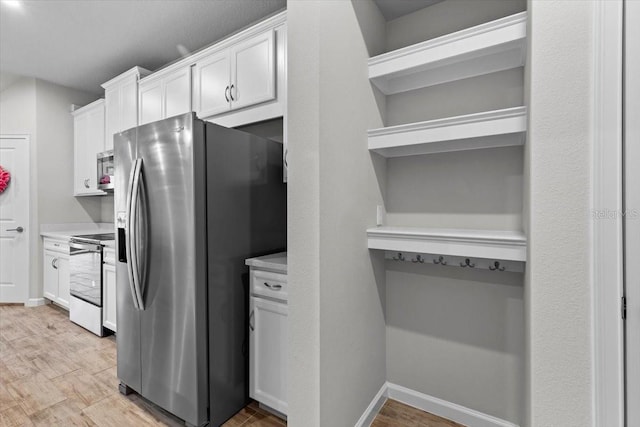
{"x": 65, "y": 231}
{"x": 275, "y": 262}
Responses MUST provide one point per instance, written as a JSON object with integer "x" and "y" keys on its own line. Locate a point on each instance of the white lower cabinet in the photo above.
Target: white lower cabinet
{"x": 268, "y": 352}
{"x": 109, "y": 290}
{"x": 56, "y": 278}
{"x": 268, "y": 332}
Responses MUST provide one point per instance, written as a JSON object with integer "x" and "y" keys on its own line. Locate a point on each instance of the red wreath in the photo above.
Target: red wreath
{"x": 5, "y": 177}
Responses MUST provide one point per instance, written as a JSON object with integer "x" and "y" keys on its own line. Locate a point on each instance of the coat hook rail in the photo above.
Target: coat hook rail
{"x": 457, "y": 261}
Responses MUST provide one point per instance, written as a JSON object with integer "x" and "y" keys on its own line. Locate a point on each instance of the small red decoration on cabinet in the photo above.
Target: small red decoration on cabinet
{"x": 5, "y": 177}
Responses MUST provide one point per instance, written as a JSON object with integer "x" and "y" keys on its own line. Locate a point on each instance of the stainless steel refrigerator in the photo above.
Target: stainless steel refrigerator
{"x": 193, "y": 200}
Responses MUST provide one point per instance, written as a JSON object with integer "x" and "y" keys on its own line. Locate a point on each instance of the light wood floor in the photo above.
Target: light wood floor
{"x": 55, "y": 373}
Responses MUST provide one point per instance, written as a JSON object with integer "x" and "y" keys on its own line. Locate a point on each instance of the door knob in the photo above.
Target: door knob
{"x": 18, "y": 229}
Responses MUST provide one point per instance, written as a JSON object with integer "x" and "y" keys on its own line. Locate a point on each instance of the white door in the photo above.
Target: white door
{"x": 109, "y": 297}
{"x": 632, "y": 210}
{"x": 150, "y": 101}
{"x": 177, "y": 93}
{"x": 112, "y": 115}
{"x": 253, "y": 71}
{"x": 211, "y": 85}
{"x": 268, "y": 353}
{"x": 14, "y": 220}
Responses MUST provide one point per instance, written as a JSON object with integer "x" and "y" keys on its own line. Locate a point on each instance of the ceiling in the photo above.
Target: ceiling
{"x": 82, "y": 44}
{"x": 392, "y": 9}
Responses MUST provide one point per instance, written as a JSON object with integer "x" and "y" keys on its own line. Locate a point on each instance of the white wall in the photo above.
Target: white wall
{"x": 558, "y": 280}
{"x": 336, "y": 305}
{"x": 41, "y": 109}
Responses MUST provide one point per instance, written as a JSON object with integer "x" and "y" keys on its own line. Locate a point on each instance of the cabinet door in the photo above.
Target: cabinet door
{"x": 268, "y": 353}
{"x": 177, "y": 93}
{"x": 129, "y": 104}
{"x": 211, "y": 85}
{"x": 89, "y": 133}
{"x": 64, "y": 281}
{"x": 109, "y": 297}
{"x": 253, "y": 71}
{"x": 150, "y": 101}
{"x": 112, "y": 103}
{"x": 50, "y": 276}
{"x": 81, "y": 170}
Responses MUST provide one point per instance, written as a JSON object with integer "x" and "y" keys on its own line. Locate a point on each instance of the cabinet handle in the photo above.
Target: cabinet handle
{"x": 231, "y": 93}
{"x": 86, "y": 183}
{"x": 225, "y": 93}
{"x": 286, "y": 154}
{"x": 251, "y": 321}
{"x": 275, "y": 287}
{"x": 53, "y": 263}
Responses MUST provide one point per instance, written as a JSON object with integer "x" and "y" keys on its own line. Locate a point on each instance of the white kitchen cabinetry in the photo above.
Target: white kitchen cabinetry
{"x": 236, "y": 77}
{"x": 56, "y": 278}
{"x": 243, "y": 79}
{"x": 165, "y": 94}
{"x": 88, "y": 135}
{"x": 109, "y": 289}
{"x": 121, "y": 103}
{"x": 268, "y": 332}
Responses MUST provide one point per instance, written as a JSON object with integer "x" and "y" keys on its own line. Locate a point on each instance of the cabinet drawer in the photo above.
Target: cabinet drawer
{"x": 56, "y": 246}
{"x": 272, "y": 285}
{"x": 109, "y": 256}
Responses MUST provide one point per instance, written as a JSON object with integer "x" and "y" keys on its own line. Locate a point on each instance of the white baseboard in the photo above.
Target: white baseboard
{"x": 34, "y": 302}
{"x": 442, "y": 408}
{"x": 374, "y": 407}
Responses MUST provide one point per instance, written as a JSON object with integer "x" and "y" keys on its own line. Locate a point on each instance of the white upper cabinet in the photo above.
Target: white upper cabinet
{"x": 121, "y": 103}
{"x": 89, "y": 136}
{"x": 253, "y": 71}
{"x": 212, "y": 80}
{"x": 177, "y": 93}
{"x": 165, "y": 95}
{"x": 150, "y": 101}
{"x": 236, "y": 77}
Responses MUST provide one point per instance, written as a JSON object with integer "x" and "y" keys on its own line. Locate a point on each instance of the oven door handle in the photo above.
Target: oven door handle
{"x": 131, "y": 235}
{"x": 85, "y": 247}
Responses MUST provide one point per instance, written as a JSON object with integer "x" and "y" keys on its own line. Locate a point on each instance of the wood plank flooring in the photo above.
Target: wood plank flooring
{"x": 394, "y": 413}
{"x": 55, "y": 373}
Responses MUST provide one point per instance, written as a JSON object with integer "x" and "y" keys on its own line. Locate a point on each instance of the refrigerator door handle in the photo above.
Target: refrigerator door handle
{"x": 135, "y": 250}
{"x": 131, "y": 240}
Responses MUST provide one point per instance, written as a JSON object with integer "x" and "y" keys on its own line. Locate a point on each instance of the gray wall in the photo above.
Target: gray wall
{"x": 456, "y": 334}
{"x": 558, "y": 279}
{"x": 41, "y": 110}
{"x": 337, "y": 326}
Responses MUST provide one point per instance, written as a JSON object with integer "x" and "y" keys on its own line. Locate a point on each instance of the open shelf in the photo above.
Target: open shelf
{"x": 487, "y": 48}
{"x": 486, "y": 244}
{"x": 499, "y": 128}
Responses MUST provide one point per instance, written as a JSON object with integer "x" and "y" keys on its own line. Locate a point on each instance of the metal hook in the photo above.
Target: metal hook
{"x": 418, "y": 259}
{"x": 467, "y": 263}
{"x": 400, "y": 257}
{"x": 496, "y": 266}
{"x": 440, "y": 260}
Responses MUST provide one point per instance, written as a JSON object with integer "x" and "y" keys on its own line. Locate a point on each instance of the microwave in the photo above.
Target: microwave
{"x": 105, "y": 171}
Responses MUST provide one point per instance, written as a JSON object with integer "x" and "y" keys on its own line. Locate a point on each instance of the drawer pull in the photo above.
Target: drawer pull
{"x": 275, "y": 287}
